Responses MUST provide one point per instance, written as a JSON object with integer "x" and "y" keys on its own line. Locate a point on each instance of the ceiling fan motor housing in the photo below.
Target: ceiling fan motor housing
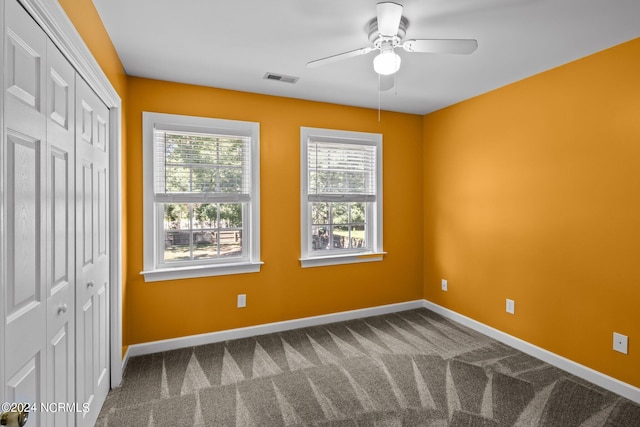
{"x": 377, "y": 39}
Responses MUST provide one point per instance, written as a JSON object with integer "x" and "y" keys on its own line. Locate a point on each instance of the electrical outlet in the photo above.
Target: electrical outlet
{"x": 242, "y": 300}
{"x": 511, "y": 306}
{"x": 620, "y": 342}
{"x": 445, "y": 286}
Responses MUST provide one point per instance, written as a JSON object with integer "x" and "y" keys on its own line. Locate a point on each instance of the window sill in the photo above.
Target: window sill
{"x": 200, "y": 271}
{"x": 321, "y": 261}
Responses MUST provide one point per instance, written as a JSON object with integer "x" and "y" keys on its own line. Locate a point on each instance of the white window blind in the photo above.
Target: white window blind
{"x": 202, "y": 167}
{"x": 341, "y": 171}
{"x": 341, "y": 197}
{"x": 201, "y": 196}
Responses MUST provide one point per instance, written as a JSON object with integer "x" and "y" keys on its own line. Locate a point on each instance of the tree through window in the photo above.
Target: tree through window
{"x": 341, "y": 196}
{"x": 204, "y": 193}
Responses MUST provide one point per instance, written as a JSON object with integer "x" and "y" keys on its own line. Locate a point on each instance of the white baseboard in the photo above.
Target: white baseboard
{"x": 268, "y": 328}
{"x": 125, "y": 359}
{"x": 598, "y": 378}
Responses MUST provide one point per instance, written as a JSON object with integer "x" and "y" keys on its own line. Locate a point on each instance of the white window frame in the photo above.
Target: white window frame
{"x": 154, "y": 269}
{"x": 374, "y": 250}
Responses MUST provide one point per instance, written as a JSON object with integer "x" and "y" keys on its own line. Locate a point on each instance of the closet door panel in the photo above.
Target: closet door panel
{"x": 60, "y": 375}
{"x": 61, "y": 273}
{"x": 92, "y": 246}
{"x": 24, "y": 383}
{"x": 24, "y": 253}
{"x": 61, "y": 238}
{"x": 24, "y": 52}
{"x": 24, "y": 178}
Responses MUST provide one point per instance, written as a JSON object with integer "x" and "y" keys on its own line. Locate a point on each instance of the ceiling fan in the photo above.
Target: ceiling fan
{"x": 386, "y": 33}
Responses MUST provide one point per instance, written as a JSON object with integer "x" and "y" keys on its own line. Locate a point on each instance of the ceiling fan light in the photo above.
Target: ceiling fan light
{"x": 387, "y": 63}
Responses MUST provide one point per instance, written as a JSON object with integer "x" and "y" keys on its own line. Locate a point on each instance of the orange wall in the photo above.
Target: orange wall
{"x": 86, "y": 20}
{"x": 282, "y": 290}
{"x": 532, "y": 192}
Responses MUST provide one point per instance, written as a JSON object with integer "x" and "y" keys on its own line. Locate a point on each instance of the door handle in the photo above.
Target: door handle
{"x": 62, "y": 309}
{"x": 15, "y": 418}
{"x": 90, "y": 284}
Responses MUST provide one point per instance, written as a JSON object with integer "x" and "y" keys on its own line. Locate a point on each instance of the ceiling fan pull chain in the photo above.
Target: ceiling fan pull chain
{"x": 395, "y": 84}
{"x": 379, "y": 98}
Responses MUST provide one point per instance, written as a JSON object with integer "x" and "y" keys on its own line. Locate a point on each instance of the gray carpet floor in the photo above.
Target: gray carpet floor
{"x": 412, "y": 368}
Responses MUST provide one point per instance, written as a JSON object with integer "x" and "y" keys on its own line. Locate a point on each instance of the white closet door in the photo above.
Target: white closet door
{"x": 24, "y": 157}
{"x": 54, "y": 265}
{"x": 92, "y": 251}
{"x": 61, "y": 238}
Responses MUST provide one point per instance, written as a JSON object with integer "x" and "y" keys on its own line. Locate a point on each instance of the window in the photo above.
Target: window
{"x": 201, "y": 197}
{"x": 341, "y": 197}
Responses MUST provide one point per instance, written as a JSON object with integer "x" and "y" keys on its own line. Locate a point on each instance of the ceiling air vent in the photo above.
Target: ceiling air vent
{"x": 280, "y": 78}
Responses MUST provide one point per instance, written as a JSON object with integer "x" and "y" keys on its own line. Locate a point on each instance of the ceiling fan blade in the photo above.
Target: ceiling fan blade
{"x": 452, "y": 46}
{"x": 389, "y": 15}
{"x": 339, "y": 57}
{"x": 386, "y": 82}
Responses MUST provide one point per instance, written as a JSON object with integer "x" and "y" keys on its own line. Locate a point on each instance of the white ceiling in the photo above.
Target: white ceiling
{"x": 232, "y": 44}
